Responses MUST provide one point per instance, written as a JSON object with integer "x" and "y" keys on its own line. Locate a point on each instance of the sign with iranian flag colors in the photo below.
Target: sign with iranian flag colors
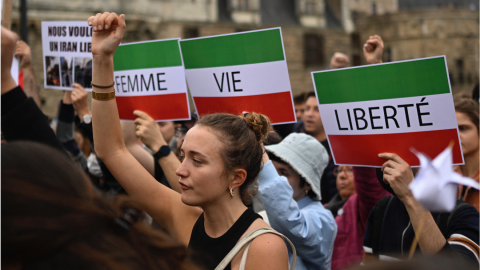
{"x": 240, "y": 72}
{"x": 149, "y": 76}
{"x": 390, "y": 107}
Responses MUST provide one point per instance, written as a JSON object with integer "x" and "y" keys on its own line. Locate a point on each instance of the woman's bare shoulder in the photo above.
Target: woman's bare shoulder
{"x": 267, "y": 251}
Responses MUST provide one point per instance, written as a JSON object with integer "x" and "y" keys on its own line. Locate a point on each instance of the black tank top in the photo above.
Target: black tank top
{"x": 208, "y": 252}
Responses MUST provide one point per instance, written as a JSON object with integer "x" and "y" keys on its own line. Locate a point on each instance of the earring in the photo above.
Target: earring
{"x": 306, "y": 191}
{"x": 231, "y": 192}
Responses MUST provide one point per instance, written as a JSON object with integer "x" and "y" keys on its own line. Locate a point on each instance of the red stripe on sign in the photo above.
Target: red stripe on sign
{"x": 159, "y": 107}
{"x": 364, "y": 149}
{"x": 277, "y": 106}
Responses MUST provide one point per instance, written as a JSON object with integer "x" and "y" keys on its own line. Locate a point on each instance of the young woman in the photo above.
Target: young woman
{"x": 221, "y": 154}
{"x": 467, "y": 119}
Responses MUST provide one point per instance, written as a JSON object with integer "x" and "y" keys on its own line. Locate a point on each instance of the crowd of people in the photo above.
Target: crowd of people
{"x": 220, "y": 192}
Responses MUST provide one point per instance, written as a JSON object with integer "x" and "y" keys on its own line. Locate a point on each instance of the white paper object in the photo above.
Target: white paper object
{"x": 436, "y": 184}
{"x": 15, "y": 69}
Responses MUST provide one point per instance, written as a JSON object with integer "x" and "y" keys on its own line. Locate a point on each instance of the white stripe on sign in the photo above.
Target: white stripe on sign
{"x": 241, "y": 80}
{"x": 151, "y": 81}
{"x": 412, "y": 114}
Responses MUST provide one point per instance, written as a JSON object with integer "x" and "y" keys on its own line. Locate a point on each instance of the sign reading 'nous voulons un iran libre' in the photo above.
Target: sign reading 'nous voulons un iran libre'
{"x": 388, "y": 107}
{"x": 149, "y": 76}
{"x": 239, "y": 72}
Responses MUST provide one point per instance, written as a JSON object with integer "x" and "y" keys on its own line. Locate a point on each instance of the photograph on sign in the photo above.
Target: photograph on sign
{"x": 150, "y": 77}
{"x": 67, "y": 54}
{"x": 240, "y": 72}
{"x": 392, "y": 107}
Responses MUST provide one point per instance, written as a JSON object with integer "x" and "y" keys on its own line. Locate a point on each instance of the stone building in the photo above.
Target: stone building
{"x": 312, "y": 29}
{"x": 409, "y": 34}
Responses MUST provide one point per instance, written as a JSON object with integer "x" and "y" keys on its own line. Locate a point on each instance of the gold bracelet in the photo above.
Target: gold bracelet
{"x": 103, "y": 96}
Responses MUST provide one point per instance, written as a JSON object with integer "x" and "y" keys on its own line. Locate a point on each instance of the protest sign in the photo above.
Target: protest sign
{"x": 67, "y": 54}
{"x": 240, "y": 72}
{"x": 149, "y": 76}
{"x": 390, "y": 107}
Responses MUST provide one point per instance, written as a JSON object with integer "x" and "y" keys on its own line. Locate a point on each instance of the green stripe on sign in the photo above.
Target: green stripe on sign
{"x": 165, "y": 53}
{"x": 395, "y": 80}
{"x": 231, "y": 50}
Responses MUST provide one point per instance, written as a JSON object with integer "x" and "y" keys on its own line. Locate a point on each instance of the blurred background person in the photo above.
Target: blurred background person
{"x": 28, "y": 82}
{"x": 467, "y": 111}
{"x": 299, "y": 103}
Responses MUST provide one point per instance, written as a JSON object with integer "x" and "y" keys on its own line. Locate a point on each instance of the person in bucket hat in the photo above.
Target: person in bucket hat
{"x": 289, "y": 185}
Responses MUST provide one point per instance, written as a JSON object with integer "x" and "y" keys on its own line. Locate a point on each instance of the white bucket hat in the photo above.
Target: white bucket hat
{"x": 305, "y": 155}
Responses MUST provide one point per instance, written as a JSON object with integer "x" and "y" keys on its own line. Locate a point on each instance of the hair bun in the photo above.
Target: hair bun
{"x": 259, "y": 123}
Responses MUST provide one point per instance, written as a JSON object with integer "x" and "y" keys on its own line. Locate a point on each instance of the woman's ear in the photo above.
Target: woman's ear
{"x": 307, "y": 187}
{"x": 238, "y": 178}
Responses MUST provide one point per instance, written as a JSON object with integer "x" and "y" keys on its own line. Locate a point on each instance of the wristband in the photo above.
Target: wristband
{"x": 103, "y": 96}
{"x": 100, "y": 86}
{"x": 162, "y": 152}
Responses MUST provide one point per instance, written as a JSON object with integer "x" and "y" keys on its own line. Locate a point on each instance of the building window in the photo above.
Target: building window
{"x": 356, "y": 60}
{"x": 355, "y": 39}
{"x": 313, "y": 50}
{"x": 450, "y": 76}
{"x": 461, "y": 75}
{"x": 373, "y": 9}
{"x": 190, "y": 32}
{"x": 243, "y": 5}
{"x": 310, "y": 7}
{"x": 387, "y": 54}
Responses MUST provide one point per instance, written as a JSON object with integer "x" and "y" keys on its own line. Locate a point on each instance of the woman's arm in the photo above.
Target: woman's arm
{"x": 128, "y": 130}
{"x": 398, "y": 174}
{"x": 23, "y": 52}
{"x": 163, "y": 204}
{"x": 149, "y": 133}
{"x": 21, "y": 117}
{"x": 66, "y": 128}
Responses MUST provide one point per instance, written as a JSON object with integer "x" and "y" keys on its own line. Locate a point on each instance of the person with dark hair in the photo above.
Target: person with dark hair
{"x": 299, "y": 103}
{"x": 313, "y": 126}
{"x": 221, "y": 158}
{"x": 22, "y": 119}
{"x": 54, "y": 218}
{"x": 395, "y": 221}
{"x": 291, "y": 198}
{"x": 467, "y": 119}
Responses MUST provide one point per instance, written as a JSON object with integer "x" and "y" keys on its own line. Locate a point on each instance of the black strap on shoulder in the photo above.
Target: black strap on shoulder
{"x": 444, "y": 219}
{"x": 379, "y": 214}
